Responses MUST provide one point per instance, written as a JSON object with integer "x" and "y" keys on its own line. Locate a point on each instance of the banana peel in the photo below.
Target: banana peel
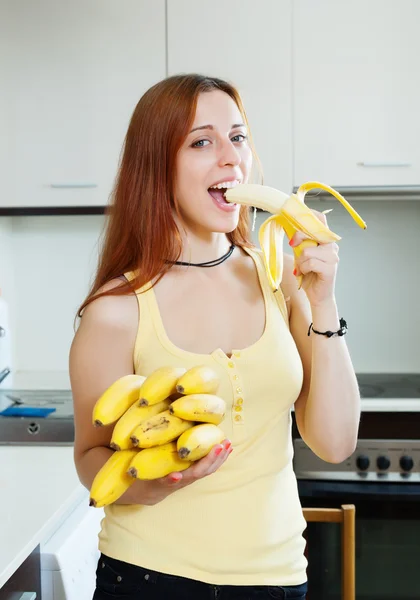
{"x": 289, "y": 215}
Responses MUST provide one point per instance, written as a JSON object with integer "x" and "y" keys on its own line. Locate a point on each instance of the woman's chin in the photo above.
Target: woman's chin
{"x": 225, "y": 225}
{"x": 214, "y": 221}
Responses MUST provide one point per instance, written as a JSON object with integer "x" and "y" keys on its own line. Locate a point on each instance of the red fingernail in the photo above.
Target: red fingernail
{"x": 294, "y": 271}
{"x": 230, "y": 451}
{"x": 228, "y": 445}
{"x": 218, "y": 450}
{"x": 291, "y": 242}
{"x": 175, "y": 477}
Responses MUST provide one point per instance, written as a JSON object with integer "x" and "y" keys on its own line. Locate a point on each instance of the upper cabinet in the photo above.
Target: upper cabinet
{"x": 74, "y": 72}
{"x": 356, "y": 84}
{"x": 330, "y": 88}
{"x": 249, "y": 44}
{"x": 6, "y": 139}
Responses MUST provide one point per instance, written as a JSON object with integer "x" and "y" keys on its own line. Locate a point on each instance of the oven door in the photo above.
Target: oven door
{"x": 387, "y": 539}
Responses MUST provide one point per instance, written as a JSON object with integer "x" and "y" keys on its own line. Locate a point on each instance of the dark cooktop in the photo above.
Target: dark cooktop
{"x": 389, "y": 385}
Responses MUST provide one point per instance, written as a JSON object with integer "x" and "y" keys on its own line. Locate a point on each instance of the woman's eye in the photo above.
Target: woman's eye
{"x": 239, "y": 135}
{"x": 200, "y": 143}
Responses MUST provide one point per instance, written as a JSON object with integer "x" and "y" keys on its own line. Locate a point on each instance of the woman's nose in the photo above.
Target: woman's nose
{"x": 228, "y": 155}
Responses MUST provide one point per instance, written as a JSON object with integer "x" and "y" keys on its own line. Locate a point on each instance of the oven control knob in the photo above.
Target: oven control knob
{"x": 383, "y": 463}
{"x": 363, "y": 462}
{"x": 406, "y": 463}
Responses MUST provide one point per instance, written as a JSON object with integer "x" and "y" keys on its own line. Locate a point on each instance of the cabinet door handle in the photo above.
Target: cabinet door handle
{"x": 383, "y": 164}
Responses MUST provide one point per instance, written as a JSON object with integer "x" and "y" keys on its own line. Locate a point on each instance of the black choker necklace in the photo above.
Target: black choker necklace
{"x": 210, "y": 263}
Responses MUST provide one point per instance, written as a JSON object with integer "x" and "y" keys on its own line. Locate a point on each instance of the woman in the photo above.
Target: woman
{"x": 229, "y": 526}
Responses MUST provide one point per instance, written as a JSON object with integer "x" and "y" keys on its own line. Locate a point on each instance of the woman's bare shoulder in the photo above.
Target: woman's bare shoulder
{"x": 114, "y": 311}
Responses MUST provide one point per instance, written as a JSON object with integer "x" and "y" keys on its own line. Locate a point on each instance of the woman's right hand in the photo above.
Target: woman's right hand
{"x": 154, "y": 491}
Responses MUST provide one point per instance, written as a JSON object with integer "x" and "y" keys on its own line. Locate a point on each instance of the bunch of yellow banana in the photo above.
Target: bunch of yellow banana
{"x": 290, "y": 214}
{"x": 153, "y": 434}
{"x": 183, "y": 433}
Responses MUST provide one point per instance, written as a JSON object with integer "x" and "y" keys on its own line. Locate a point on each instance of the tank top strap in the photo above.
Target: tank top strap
{"x": 278, "y": 295}
{"x": 141, "y": 291}
{"x": 148, "y": 319}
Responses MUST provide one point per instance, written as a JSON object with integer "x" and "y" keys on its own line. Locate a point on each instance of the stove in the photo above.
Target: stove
{"x": 382, "y": 480}
{"x": 386, "y": 386}
{"x": 388, "y": 446}
{"x": 375, "y": 460}
{"x": 55, "y": 428}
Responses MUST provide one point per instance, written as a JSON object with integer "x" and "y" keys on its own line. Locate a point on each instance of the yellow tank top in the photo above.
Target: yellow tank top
{"x": 243, "y": 524}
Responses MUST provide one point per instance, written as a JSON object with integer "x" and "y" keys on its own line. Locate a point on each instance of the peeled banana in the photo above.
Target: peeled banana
{"x": 206, "y": 408}
{"x": 112, "y": 479}
{"x": 198, "y": 441}
{"x": 117, "y": 399}
{"x": 159, "y": 385}
{"x": 135, "y": 415}
{"x": 159, "y": 429}
{"x": 290, "y": 214}
{"x": 156, "y": 462}
{"x": 198, "y": 380}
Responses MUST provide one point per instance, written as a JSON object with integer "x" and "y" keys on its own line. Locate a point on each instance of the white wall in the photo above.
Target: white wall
{"x": 378, "y": 285}
{"x": 53, "y": 260}
{"x": 6, "y": 257}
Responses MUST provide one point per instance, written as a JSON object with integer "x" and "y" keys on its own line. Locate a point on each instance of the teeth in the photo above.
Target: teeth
{"x": 225, "y": 184}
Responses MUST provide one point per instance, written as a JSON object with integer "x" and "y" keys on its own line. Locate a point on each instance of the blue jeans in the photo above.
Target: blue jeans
{"x": 117, "y": 580}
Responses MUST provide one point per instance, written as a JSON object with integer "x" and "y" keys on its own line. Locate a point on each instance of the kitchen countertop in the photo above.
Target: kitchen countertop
{"x": 39, "y": 489}
{"x": 391, "y": 405}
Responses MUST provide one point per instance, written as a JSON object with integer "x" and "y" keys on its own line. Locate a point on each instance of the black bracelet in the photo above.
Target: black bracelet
{"x": 340, "y": 332}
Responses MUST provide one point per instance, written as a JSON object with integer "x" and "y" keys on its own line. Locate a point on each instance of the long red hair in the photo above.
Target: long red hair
{"x": 141, "y": 232}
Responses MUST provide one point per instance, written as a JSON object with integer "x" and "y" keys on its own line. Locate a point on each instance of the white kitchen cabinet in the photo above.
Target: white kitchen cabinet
{"x": 249, "y": 44}
{"x": 356, "y": 84}
{"x": 75, "y": 72}
{"x": 70, "y": 557}
{"x": 5, "y": 103}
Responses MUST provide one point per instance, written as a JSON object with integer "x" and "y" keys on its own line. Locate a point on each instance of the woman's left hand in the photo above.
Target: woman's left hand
{"x": 321, "y": 261}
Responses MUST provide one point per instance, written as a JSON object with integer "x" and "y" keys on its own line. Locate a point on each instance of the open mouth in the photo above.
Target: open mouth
{"x": 218, "y": 191}
{"x": 218, "y": 194}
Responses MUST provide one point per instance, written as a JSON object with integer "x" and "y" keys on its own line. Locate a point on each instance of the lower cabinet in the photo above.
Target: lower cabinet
{"x": 25, "y": 583}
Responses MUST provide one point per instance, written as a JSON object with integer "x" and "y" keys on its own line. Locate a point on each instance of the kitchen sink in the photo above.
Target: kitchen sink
{"x": 57, "y": 428}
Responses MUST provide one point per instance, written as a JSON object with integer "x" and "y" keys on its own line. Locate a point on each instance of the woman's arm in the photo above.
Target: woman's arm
{"x": 101, "y": 352}
{"x": 328, "y": 407}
